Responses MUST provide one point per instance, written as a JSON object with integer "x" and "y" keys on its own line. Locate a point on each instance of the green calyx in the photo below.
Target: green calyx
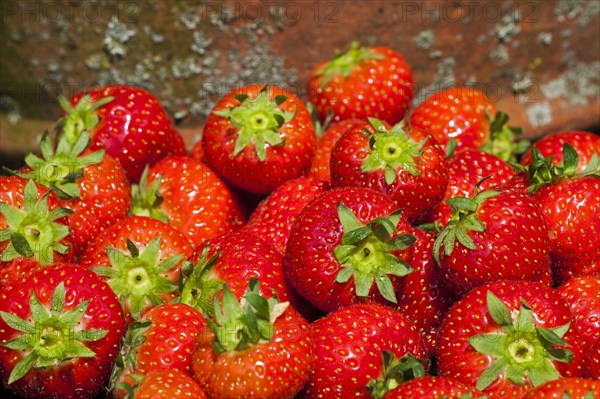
{"x": 241, "y": 325}
{"x": 60, "y": 168}
{"x": 541, "y": 171}
{"x": 146, "y": 198}
{"x": 502, "y": 141}
{"x": 197, "y": 286}
{"x": 395, "y": 372}
{"x": 127, "y": 357}
{"x": 464, "y": 219}
{"x": 53, "y": 335}
{"x": 81, "y": 118}
{"x": 366, "y": 253}
{"x": 520, "y": 349}
{"x": 33, "y": 231}
{"x": 343, "y": 62}
{"x": 258, "y": 120}
{"x": 136, "y": 277}
{"x": 391, "y": 150}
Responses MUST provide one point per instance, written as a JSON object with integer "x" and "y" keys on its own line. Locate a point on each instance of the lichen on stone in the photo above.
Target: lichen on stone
{"x": 425, "y": 39}
{"x": 443, "y": 79}
{"x": 539, "y": 114}
{"x": 116, "y": 35}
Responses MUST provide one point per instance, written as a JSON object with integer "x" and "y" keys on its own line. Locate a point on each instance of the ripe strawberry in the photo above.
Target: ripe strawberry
{"x": 479, "y": 244}
{"x": 362, "y": 82}
{"x": 405, "y": 164}
{"x": 566, "y": 388}
{"x": 258, "y": 137}
{"x": 348, "y": 349}
{"x": 349, "y": 246}
{"x": 92, "y": 184}
{"x": 593, "y": 366}
{"x": 507, "y": 336}
{"x": 189, "y": 196}
{"x": 164, "y": 339}
{"x": 140, "y": 258}
{"x": 585, "y": 143}
{"x": 256, "y": 348}
{"x": 320, "y": 164}
{"x": 167, "y": 384}
{"x": 127, "y": 121}
{"x": 59, "y": 333}
{"x": 273, "y": 218}
{"x": 466, "y": 168}
{"x": 33, "y": 225}
{"x": 428, "y": 387}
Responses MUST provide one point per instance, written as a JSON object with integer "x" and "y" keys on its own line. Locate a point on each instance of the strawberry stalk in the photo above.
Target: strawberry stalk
{"x": 366, "y": 253}
{"x": 146, "y": 199}
{"x": 81, "y": 118}
{"x": 501, "y": 142}
{"x": 395, "y": 372}
{"x": 343, "y": 62}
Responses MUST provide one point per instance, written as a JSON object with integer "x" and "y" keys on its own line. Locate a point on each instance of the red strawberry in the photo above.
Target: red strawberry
{"x": 273, "y": 218}
{"x": 466, "y": 169}
{"x": 349, "y": 246}
{"x": 428, "y": 387}
{"x": 585, "y": 143}
{"x": 362, "y": 82}
{"x": 140, "y": 258}
{"x": 258, "y": 348}
{"x": 348, "y": 349}
{"x": 593, "y": 367}
{"x": 258, "y": 137}
{"x": 92, "y": 184}
{"x": 128, "y": 122}
{"x": 320, "y": 164}
{"x": 405, "y": 164}
{"x": 168, "y": 384}
{"x": 507, "y": 336}
{"x": 59, "y": 333}
{"x": 197, "y": 152}
{"x": 493, "y": 235}
{"x": 566, "y": 388}
{"x": 33, "y": 225}
{"x": 189, "y": 196}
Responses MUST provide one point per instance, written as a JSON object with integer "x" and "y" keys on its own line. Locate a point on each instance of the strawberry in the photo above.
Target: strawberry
{"x": 349, "y": 246}
{"x": 167, "y": 384}
{"x": 403, "y": 163}
{"x": 466, "y": 168}
{"x": 141, "y": 259}
{"x": 479, "y": 243}
{"x": 432, "y": 388}
{"x": 585, "y": 143}
{"x": 256, "y": 348}
{"x": 127, "y": 121}
{"x": 566, "y": 388}
{"x": 507, "y": 336}
{"x": 91, "y": 183}
{"x": 59, "y": 333}
{"x": 320, "y": 164}
{"x": 362, "y": 82}
{"x": 33, "y": 225}
{"x": 164, "y": 339}
{"x": 570, "y": 203}
{"x": 189, "y": 196}
{"x": 273, "y": 218}
{"x": 593, "y": 367}
{"x": 348, "y": 349}
{"x": 257, "y": 137}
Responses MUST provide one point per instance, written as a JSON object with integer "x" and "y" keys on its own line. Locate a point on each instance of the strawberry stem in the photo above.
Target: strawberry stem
{"x": 343, "y": 62}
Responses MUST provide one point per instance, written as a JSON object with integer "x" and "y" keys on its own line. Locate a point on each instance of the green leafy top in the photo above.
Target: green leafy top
{"x": 395, "y": 372}
{"x": 127, "y": 357}
{"x": 81, "y": 118}
{"x": 366, "y": 253}
{"x": 520, "y": 349}
{"x": 33, "y": 231}
{"x": 53, "y": 336}
{"x": 343, "y": 62}
{"x": 258, "y": 120}
{"x": 391, "y": 150}
{"x": 501, "y": 142}
{"x": 241, "y": 325}
{"x": 146, "y": 198}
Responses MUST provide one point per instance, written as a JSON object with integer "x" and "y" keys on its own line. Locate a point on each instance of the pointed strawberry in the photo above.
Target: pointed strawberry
{"x": 166, "y": 384}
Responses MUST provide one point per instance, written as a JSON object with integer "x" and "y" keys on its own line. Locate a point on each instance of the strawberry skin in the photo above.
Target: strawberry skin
{"x": 362, "y": 82}
{"x": 168, "y": 384}
{"x": 572, "y": 388}
{"x": 432, "y": 388}
{"x": 134, "y": 128}
{"x": 348, "y": 349}
{"x": 585, "y": 143}
{"x": 69, "y": 376}
{"x": 593, "y": 367}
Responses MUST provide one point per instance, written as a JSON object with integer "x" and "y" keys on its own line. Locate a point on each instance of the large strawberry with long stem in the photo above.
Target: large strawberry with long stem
{"x": 362, "y": 82}
{"x": 189, "y": 196}
{"x": 257, "y": 137}
{"x": 127, "y": 121}
{"x": 255, "y": 348}
{"x": 60, "y": 329}
{"x": 508, "y": 336}
{"x": 349, "y": 245}
{"x": 404, "y": 163}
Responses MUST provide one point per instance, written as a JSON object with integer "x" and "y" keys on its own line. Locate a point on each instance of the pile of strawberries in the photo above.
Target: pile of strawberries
{"x": 340, "y": 249}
